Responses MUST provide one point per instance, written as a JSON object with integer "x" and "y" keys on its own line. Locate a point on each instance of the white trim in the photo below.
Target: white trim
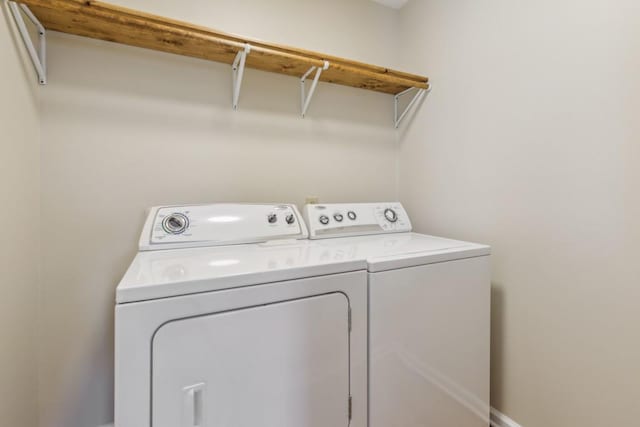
{"x": 498, "y": 419}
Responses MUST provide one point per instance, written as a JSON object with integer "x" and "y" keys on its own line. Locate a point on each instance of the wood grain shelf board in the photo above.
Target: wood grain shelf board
{"x": 117, "y": 24}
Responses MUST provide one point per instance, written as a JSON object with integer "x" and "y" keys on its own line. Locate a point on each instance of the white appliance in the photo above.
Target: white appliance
{"x": 229, "y": 317}
{"x": 429, "y": 315}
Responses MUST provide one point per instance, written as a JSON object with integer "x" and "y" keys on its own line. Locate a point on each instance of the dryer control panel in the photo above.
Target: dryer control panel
{"x": 170, "y": 227}
{"x": 355, "y": 219}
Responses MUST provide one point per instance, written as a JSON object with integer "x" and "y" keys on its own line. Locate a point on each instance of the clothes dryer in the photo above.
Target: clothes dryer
{"x": 227, "y": 318}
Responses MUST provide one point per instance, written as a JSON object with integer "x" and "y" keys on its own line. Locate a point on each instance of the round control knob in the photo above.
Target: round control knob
{"x": 352, "y": 215}
{"x": 390, "y": 215}
{"x": 176, "y": 223}
{"x": 324, "y": 220}
{"x": 290, "y": 219}
{"x": 338, "y": 217}
{"x": 272, "y": 218}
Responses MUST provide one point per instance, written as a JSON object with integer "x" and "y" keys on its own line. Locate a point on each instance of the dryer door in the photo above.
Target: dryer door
{"x": 278, "y": 365}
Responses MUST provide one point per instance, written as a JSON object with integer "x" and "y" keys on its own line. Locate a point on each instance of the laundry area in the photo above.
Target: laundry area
{"x": 365, "y": 213}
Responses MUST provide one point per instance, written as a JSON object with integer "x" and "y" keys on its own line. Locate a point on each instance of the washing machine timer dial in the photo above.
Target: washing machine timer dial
{"x": 390, "y": 215}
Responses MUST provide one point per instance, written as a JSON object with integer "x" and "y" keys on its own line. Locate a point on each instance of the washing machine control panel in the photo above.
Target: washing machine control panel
{"x": 169, "y": 227}
{"x": 354, "y": 219}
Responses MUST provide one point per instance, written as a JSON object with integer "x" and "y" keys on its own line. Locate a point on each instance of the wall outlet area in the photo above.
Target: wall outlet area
{"x": 312, "y": 200}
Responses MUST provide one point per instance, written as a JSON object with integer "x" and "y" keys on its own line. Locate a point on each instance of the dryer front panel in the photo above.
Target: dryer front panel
{"x": 283, "y": 364}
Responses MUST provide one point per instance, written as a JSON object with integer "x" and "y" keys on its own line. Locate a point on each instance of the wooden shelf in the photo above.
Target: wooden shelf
{"x": 103, "y": 21}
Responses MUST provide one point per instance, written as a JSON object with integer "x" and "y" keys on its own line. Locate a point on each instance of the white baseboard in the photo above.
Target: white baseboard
{"x": 498, "y": 419}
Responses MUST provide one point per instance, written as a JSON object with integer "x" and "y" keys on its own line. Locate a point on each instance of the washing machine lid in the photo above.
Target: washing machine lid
{"x": 399, "y": 250}
{"x": 175, "y": 272}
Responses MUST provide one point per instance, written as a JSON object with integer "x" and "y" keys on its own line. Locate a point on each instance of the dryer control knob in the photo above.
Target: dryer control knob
{"x": 352, "y": 215}
{"x": 272, "y": 218}
{"x": 290, "y": 219}
{"x": 176, "y": 223}
{"x": 338, "y": 217}
{"x": 324, "y": 220}
{"x": 390, "y": 215}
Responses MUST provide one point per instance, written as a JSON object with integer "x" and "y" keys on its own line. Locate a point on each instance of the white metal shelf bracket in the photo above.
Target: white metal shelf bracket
{"x": 38, "y": 56}
{"x": 416, "y": 98}
{"x": 305, "y": 97}
{"x": 237, "y": 71}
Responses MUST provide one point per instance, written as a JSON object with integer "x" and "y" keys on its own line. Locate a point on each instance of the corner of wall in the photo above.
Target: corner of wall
{"x": 20, "y": 254}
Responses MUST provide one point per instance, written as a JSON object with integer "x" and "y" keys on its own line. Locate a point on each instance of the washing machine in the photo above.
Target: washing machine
{"x": 228, "y": 317}
{"x": 429, "y": 315}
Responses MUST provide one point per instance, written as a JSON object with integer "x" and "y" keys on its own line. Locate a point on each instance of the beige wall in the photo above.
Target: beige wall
{"x": 125, "y": 129}
{"x": 530, "y": 141}
{"x": 20, "y": 215}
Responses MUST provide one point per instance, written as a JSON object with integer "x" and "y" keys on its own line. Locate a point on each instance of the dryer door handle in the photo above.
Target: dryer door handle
{"x": 193, "y": 405}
